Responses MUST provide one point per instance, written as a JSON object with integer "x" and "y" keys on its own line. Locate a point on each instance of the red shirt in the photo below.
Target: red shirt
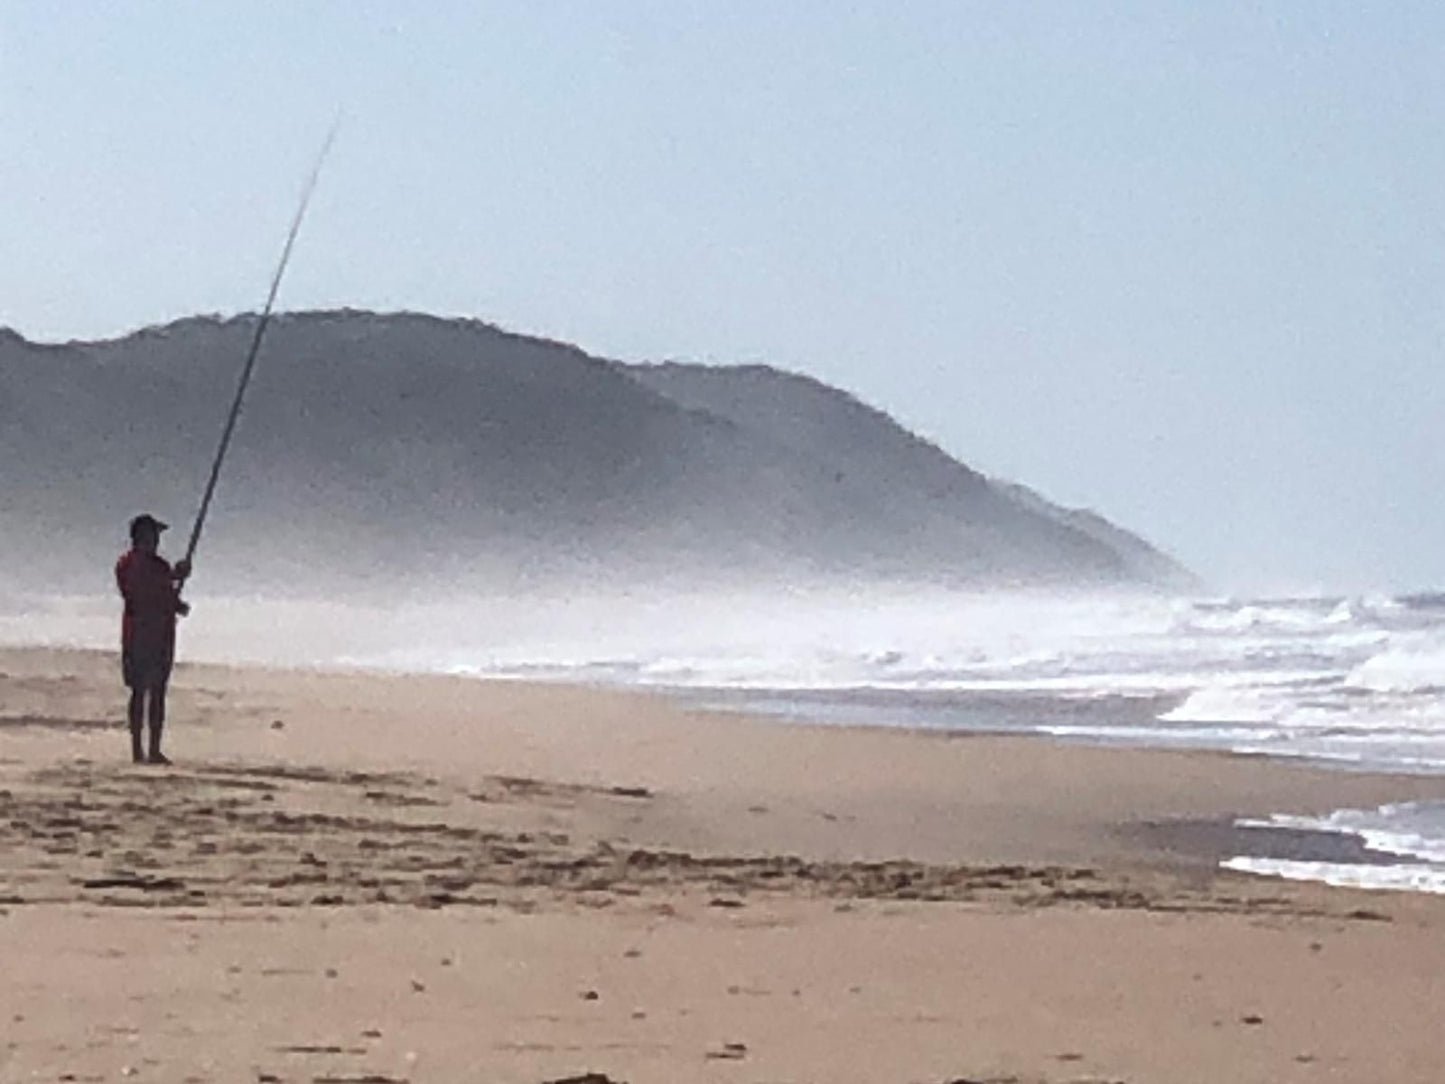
{"x": 152, "y": 600}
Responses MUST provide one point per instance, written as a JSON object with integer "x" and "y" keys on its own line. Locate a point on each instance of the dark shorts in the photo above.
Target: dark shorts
{"x": 145, "y": 668}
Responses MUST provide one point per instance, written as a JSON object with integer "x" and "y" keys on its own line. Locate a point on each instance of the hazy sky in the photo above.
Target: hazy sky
{"x": 1180, "y": 262}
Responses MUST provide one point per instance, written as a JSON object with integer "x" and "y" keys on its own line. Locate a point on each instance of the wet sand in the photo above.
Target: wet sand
{"x": 353, "y": 877}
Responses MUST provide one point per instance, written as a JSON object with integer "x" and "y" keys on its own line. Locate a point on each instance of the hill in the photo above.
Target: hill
{"x": 407, "y": 451}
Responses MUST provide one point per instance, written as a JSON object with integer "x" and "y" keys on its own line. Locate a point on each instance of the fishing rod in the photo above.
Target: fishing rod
{"x": 255, "y": 350}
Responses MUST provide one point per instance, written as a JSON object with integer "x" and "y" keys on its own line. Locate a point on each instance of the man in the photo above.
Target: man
{"x": 152, "y": 592}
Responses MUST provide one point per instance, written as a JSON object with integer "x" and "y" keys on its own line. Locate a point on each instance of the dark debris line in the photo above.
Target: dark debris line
{"x": 216, "y": 836}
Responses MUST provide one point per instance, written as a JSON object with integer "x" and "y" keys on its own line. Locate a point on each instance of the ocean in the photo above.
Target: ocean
{"x": 1357, "y": 683}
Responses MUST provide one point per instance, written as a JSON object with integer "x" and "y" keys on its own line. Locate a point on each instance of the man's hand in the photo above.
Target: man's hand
{"x": 182, "y": 607}
{"x": 183, "y": 570}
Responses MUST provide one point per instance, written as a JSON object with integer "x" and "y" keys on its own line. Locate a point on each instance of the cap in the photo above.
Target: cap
{"x": 146, "y": 521}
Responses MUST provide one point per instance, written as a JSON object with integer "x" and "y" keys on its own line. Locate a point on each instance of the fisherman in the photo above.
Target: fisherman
{"x": 152, "y": 592}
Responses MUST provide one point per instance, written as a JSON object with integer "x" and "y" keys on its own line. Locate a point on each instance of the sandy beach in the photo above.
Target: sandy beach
{"x": 357, "y": 877}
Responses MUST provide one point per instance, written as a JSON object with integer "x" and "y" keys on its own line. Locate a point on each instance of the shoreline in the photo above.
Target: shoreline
{"x": 1172, "y": 824}
{"x": 407, "y": 879}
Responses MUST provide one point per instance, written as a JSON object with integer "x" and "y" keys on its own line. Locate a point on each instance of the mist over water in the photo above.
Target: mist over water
{"x": 1351, "y": 680}
{"x": 1355, "y": 682}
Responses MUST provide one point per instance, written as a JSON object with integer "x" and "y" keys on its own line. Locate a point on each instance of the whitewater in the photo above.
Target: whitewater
{"x": 1358, "y": 683}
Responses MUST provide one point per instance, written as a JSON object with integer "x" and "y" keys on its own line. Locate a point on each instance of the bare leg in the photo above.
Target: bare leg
{"x": 134, "y": 713}
{"x": 157, "y": 722}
